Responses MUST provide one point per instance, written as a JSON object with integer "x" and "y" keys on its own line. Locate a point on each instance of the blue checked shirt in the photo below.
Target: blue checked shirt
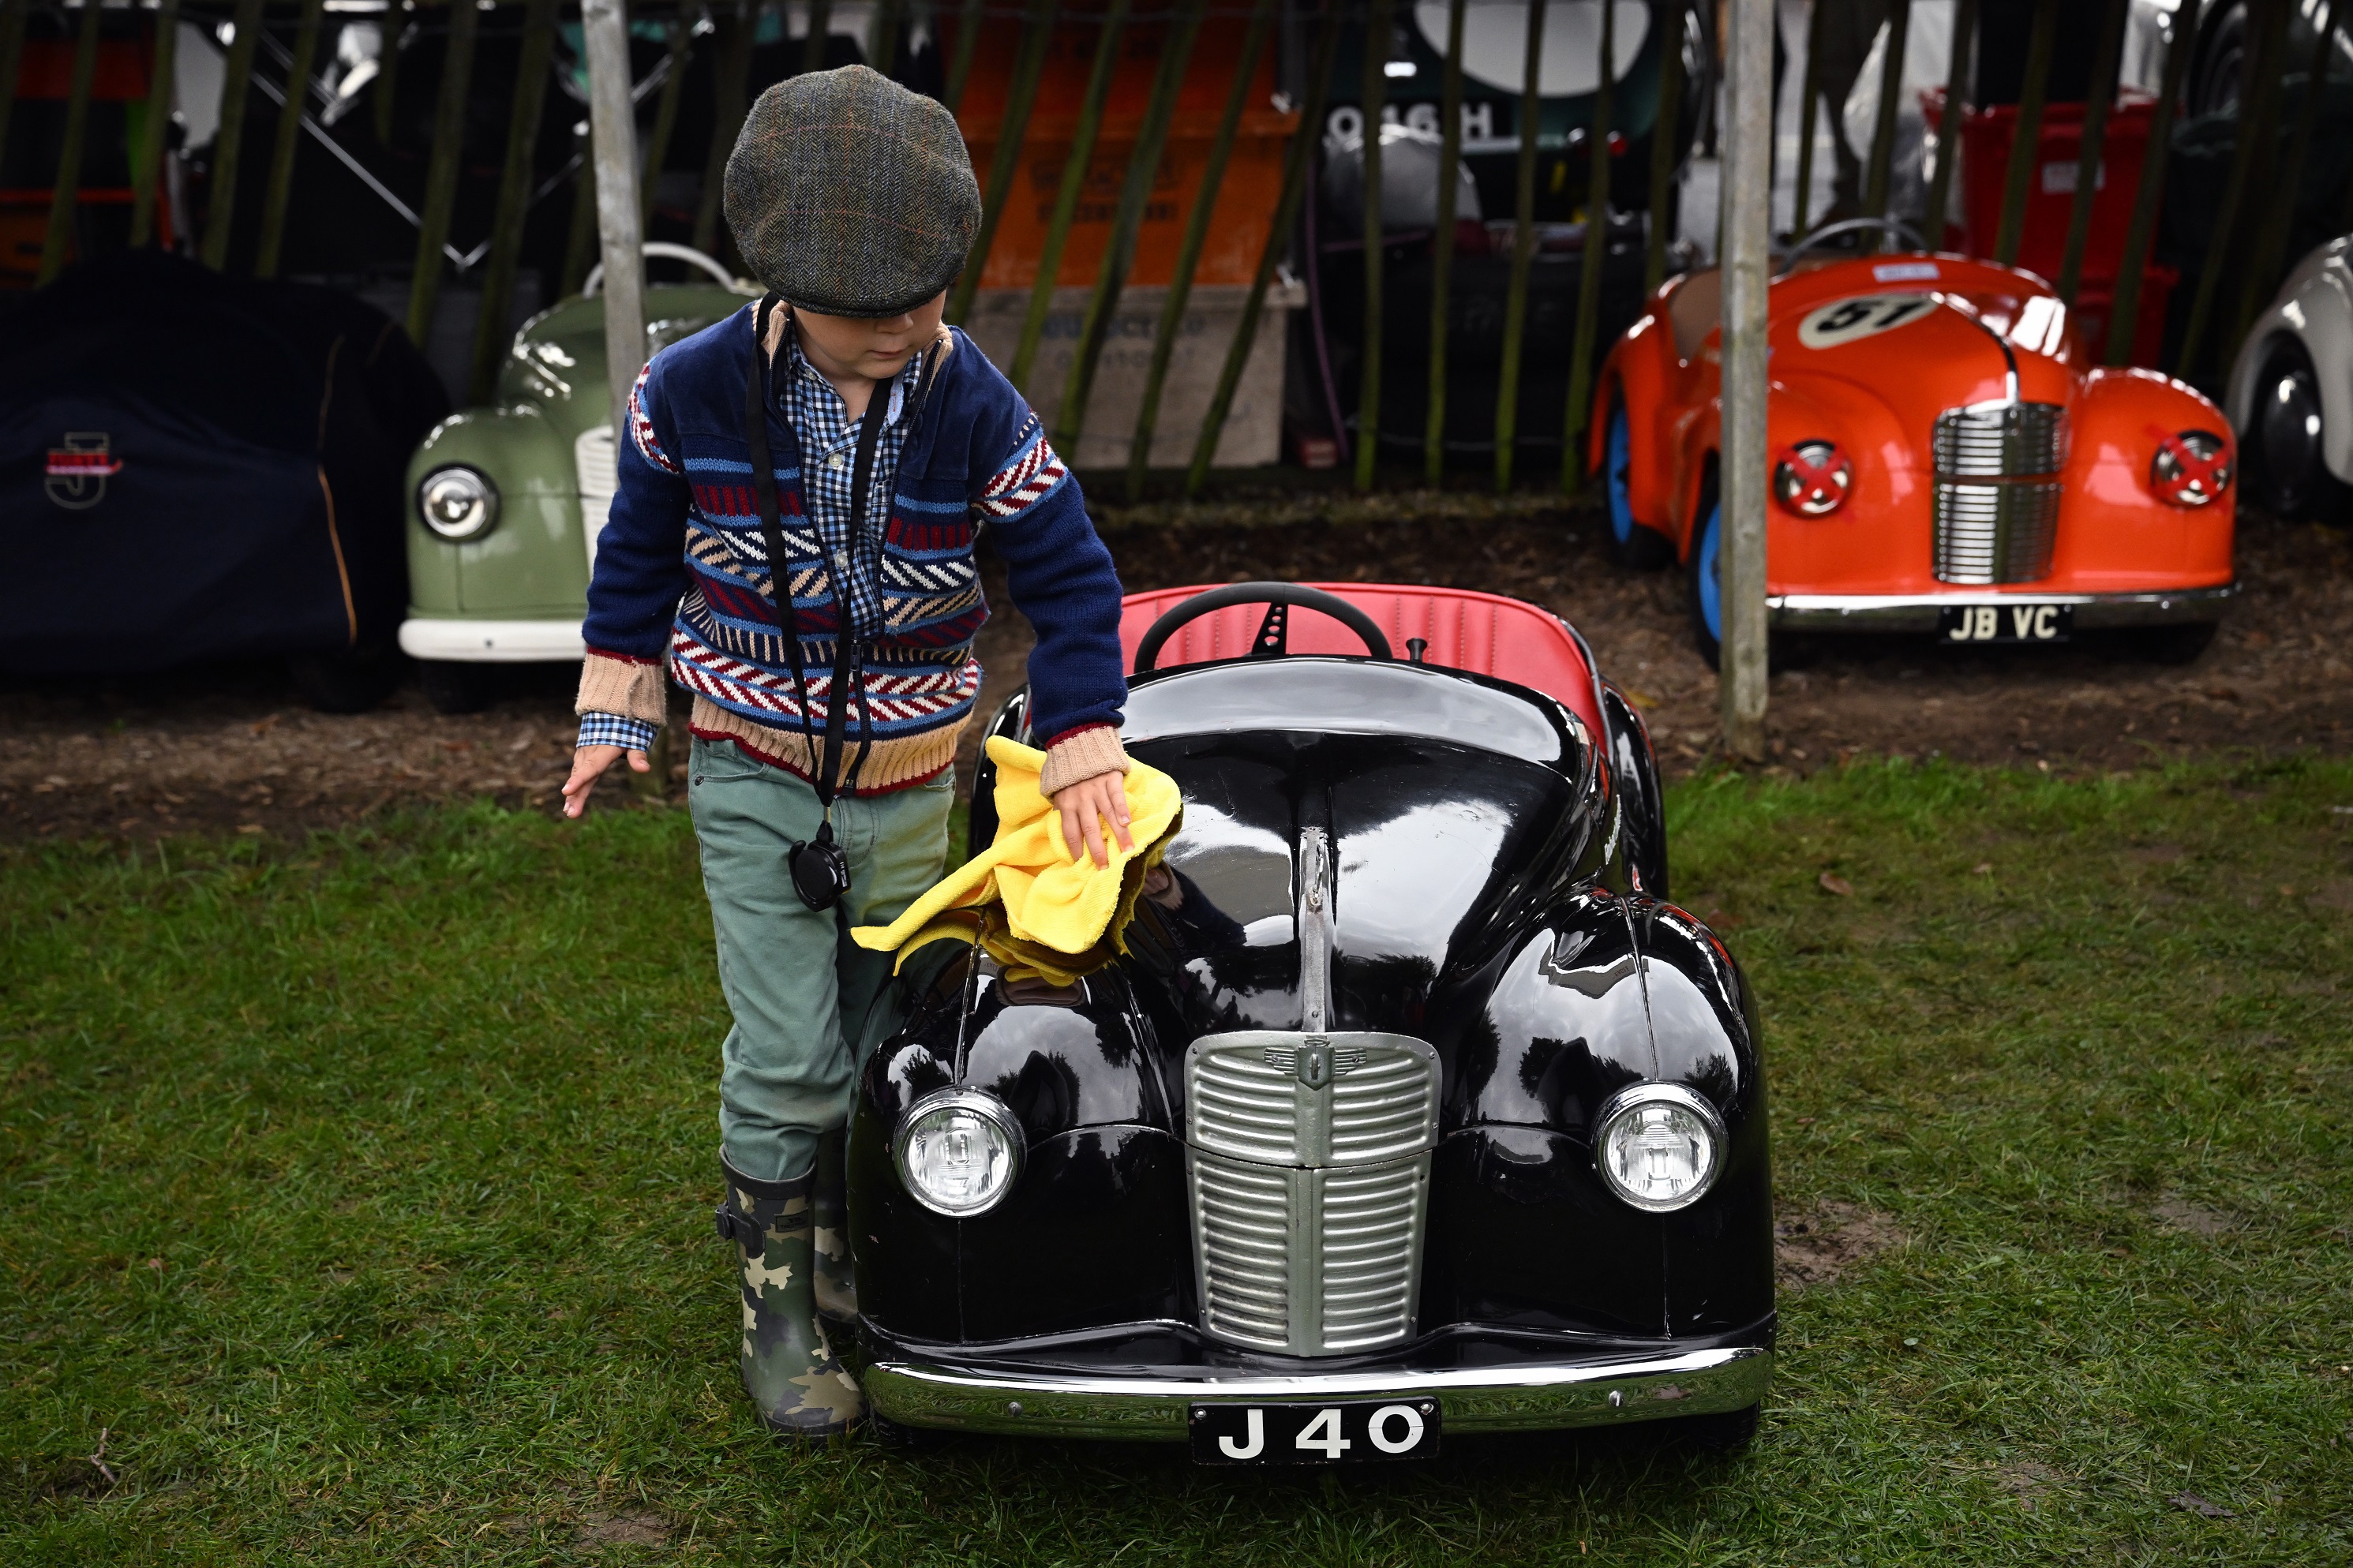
{"x": 828, "y": 451}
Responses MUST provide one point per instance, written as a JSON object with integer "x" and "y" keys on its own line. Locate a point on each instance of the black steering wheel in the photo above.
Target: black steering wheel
{"x": 1895, "y": 225}
{"x": 1270, "y": 641}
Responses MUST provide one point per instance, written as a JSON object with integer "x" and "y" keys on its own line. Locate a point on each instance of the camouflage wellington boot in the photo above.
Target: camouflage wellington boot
{"x": 789, "y": 1369}
{"x": 837, "y": 1282}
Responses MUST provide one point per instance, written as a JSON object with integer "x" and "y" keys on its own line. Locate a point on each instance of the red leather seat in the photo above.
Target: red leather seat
{"x": 1486, "y": 634}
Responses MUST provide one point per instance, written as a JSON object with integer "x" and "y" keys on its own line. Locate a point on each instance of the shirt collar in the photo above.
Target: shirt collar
{"x": 796, "y": 364}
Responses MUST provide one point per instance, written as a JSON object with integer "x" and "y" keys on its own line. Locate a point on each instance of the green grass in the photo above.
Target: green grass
{"x": 360, "y": 1192}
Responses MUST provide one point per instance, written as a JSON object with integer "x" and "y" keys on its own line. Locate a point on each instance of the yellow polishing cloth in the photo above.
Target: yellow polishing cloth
{"x": 1055, "y": 913}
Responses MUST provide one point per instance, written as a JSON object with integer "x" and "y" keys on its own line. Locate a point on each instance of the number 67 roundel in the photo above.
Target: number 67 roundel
{"x": 1314, "y": 1434}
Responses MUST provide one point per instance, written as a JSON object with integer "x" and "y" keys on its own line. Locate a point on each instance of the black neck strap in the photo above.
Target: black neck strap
{"x": 764, "y": 488}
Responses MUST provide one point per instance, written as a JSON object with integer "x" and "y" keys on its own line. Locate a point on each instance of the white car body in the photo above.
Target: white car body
{"x": 2314, "y": 308}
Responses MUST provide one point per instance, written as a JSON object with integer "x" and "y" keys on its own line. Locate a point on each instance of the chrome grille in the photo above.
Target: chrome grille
{"x": 1309, "y": 1162}
{"x": 1995, "y": 505}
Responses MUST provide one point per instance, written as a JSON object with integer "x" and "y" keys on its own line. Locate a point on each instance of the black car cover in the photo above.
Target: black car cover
{"x": 196, "y": 468}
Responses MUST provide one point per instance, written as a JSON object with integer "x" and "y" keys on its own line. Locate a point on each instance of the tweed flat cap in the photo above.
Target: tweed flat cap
{"x": 849, "y": 196}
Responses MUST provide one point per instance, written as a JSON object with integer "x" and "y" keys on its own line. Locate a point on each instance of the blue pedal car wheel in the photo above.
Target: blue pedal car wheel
{"x": 1632, "y": 545}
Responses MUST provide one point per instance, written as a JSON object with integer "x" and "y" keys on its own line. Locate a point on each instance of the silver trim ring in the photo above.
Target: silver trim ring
{"x": 980, "y": 1103}
{"x": 486, "y": 498}
{"x": 1632, "y": 1098}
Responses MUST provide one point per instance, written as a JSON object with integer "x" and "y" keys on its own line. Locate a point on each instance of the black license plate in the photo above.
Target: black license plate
{"x": 1359, "y": 1432}
{"x": 2009, "y": 622}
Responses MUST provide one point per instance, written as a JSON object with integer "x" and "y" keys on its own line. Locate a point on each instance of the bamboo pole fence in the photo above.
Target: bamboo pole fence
{"x": 1005, "y": 158}
{"x": 729, "y": 101}
{"x": 1441, "y": 240}
{"x": 386, "y": 87}
{"x": 960, "y": 64}
{"x": 2026, "y": 140}
{"x": 278, "y": 196}
{"x": 2279, "y": 219}
{"x": 2123, "y": 311}
{"x": 1808, "y": 106}
{"x": 67, "y": 195}
{"x": 531, "y": 66}
{"x": 2255, "y": 129}
{"x": 1119, "y": 255}
{"x": 442, "y": 168}
{"x": 673, "y": 88}
{"x": 1590, "y": 262}
{"x": 2101, "y": 99}
{"x": 1883, "y": 131}
{"x": 237, "y": 76}
{"x": 1080, "y": 154}
{"x": 820, "y": 29}
{"x": 12, "y": 50}
{"x": 147, "y": 161}
{"x": 1295, "y": 166}
{"x": 1524, "y": 250}
{"x": 1189, "y": 249}
{"x": 1373, "y": 93}
{"x": 1948, "y": 120}
{"x": 1663, "y": 131}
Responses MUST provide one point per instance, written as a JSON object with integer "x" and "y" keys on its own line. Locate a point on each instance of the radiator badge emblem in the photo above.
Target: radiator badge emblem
{"x": 1316, "y": 1063}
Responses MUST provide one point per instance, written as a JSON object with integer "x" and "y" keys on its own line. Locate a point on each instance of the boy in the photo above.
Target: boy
{"x": 825, "y": 727}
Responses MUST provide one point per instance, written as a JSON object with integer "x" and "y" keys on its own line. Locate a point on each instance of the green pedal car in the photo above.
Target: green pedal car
{"x": 506, "y": 502}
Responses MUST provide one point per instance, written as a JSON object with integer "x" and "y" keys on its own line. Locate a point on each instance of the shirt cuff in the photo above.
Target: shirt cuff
{"x": 614, "y": 730}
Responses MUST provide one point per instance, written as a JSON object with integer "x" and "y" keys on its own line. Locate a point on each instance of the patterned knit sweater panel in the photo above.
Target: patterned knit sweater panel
{"x": 682, "y": 573}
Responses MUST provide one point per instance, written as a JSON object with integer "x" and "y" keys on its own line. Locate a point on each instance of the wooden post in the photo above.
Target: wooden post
{"x": 1278, "y": 243}
{"x": 1066, "y": 199}
{"x": 442, "y": 169}
{"x": 279, "y": 192}
{"x": 11, "y": 49}
{"x": 1948, "y": 120}
{"x": 2124, "y": 310}
{"x": 2271, "y": 239}
{"x": 1373, "y": 94}
{"x": 729, "y": 101}
{"x": 491, "y": 335}
{"x": 388, "y": 73}
{"x": 1005, "y": 158}
{"x": 1524, "y": 250}
{"x": 673, "y": 88}
{"x": 146, "y": 166}
{"x": 237, "y": 75}
{"x": 2026, "y": 143}
{"x": 1741, "y": 475}
{"x": 821, "y": 28}
{"x": 1591, "y": 261}
{"x": 1883, "y": 132}
{"x": 2253, "y": 131}
{"x": 1189, "y": 249}
{"x": 67, "y": 195}
{"x": 2102, "y": 98}
{"x": 1442, "y": 245}
{"x": 1812, "y": 89}
{"x": 1119, "y": 254}
{"x": 613, "y": 138}
{"x": 1662, "y": 149}
{"x": 968, "y": 23}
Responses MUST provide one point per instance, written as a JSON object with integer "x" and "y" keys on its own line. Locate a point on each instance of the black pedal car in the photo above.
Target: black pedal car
{"x": 1414, "y": 1110}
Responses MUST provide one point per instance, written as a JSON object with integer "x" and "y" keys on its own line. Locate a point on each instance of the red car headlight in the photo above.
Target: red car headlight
{"x": 2192, "y": 468}
{"x": 1811, "y": 479}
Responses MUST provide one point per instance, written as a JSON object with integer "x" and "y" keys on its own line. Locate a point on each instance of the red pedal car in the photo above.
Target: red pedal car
{"x": 1946, "y": 457}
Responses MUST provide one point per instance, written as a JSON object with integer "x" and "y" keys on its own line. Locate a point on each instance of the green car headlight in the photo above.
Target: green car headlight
{"x": 457, "y": 502}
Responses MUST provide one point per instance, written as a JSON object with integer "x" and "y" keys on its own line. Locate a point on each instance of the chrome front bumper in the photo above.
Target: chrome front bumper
{"x": 1473, "y": 1399}
{"x": 1917, "y": 612}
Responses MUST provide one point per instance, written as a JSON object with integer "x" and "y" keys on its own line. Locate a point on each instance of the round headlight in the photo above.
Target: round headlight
{"x": 2192, "y": 468}
{"x": 457, "y": 502}
{"x": 1659, "y": 1146}
{"x": 1811, "y": 479}
{"x": 959, "y": 1150}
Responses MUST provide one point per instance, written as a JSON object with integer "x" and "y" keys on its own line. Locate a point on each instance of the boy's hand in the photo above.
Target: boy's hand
{"x": 1083, "y": 807}
{"x": 588, "y": 766}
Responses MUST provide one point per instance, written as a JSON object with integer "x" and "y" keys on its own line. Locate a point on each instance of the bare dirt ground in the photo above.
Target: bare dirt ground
{"x": 233, "y": 750}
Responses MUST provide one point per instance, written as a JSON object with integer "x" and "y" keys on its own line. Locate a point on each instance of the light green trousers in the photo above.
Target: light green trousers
{"x": 800, "y": 989}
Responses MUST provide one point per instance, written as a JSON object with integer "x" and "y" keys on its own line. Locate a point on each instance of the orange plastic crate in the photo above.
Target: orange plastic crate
{"x": 1246, "y": 200}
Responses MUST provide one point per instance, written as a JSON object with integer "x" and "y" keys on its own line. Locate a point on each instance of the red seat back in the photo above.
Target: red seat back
{"x": 1486, "y": 634}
